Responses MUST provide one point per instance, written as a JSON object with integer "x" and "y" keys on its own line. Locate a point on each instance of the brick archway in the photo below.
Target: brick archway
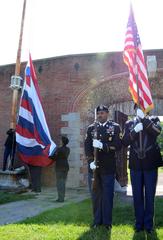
{"x": 112, "y": 91}
{"x": 95, "y": 84}
{"x": 105, "y": 92}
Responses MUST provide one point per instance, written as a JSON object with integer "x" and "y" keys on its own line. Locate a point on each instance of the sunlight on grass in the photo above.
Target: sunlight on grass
{"x": 72, "y": 222}
{"x": 160, "y": 170}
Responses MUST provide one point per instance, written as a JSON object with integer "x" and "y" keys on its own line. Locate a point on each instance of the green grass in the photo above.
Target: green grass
{"x": 6, "y": 197}
{"x": 160, "y": 170}
{"x": 72, "y": 222}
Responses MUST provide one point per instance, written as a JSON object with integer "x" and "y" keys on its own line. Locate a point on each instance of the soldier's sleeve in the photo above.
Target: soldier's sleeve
{"x": 88, "y": 146}
{"x": 128, "y": 135}
{"x": 116, "y": 143}
{"x": 152, "y": 126}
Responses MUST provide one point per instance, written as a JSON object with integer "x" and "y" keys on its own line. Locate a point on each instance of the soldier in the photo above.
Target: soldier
{"x": 143, "y": 166}
{"x": 107, "y": 143}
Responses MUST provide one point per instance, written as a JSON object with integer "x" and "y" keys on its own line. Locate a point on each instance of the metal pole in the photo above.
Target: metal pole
{"x": 17, "y": 72}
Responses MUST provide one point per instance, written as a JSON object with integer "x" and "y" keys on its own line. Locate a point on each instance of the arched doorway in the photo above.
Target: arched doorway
{"x": 112, "y": 92}
{"x": 104, "y": 93}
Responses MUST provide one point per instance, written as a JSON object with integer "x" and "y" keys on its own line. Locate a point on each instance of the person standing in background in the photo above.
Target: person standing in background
{"x": 10, "y": 146}
{"x": 62, "y": 168}
{"x": 35, "y": 177}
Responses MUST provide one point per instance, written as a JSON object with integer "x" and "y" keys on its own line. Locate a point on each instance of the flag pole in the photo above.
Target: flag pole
{"x": 138, "y": 75}
{"x": 16, "y": 79}
{"x": 141, "y": 155}
{"x": 138, "y": 100}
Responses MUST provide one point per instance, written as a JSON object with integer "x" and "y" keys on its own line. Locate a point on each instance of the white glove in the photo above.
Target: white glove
{"x": 97, "y": 144}
{"x": 138, "y": 127}
{"x": 140, "y": 113}
{"x": 92, "y": 165}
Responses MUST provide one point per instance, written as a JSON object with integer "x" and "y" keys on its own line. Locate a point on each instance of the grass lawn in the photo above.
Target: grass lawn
{"x": 6, "y": 197}
{"x": 160, "y": 170}
{"x": 72, "y": 222}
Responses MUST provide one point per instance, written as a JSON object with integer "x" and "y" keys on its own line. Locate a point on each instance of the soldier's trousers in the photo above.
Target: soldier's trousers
{"x": 61, "y": 177}
{"x": 144, "y": 188}
{"x": 102, "y": 198}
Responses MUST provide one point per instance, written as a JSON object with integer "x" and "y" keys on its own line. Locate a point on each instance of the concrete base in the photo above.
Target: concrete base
{"x": 12, "y": 180}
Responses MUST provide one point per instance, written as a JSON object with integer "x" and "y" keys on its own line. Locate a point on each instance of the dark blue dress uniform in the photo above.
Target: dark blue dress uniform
{"x": 143, "y": 168}
{"x": 109, "y": 134}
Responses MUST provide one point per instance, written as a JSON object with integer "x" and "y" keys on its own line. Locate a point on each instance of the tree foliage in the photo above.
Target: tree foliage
{"x": 160, "y": 139}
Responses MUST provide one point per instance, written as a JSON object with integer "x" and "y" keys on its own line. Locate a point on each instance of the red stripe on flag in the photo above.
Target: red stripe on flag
{"x": 25, "y": 104}
{"x": 24, "y": 132}
{"x": 41, "y": 161}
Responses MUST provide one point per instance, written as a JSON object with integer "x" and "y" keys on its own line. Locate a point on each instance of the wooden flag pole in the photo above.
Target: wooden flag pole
{"x": 15, "y": 80}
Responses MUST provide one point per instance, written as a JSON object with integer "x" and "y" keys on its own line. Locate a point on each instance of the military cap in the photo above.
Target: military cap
{"x": 102, "y": 108}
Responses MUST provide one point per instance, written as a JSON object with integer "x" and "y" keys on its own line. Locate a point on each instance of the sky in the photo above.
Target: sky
{"x": 62, "y": 27}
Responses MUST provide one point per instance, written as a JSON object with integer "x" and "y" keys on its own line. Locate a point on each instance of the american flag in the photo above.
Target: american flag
{"x": 34, "y": 143}
{"x": 133, "y": 56}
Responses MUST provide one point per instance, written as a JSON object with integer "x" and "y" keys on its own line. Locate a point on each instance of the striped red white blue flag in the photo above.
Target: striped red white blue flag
{"x": 34, "y": 143}
{"x": 133, "y": 56}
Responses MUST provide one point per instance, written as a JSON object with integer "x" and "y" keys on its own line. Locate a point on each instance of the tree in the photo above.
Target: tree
{"x": 160, "y": 139}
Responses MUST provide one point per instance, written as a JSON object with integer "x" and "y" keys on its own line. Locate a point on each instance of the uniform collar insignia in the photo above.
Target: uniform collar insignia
{"x": 103, "y": 124}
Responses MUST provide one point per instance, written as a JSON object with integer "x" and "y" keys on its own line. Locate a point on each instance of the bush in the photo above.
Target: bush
{"x": 160, "y": 139}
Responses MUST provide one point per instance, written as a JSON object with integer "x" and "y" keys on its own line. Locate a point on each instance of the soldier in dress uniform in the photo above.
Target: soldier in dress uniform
{"x": 143, "y": 164}
{"x": 107, "y": 143}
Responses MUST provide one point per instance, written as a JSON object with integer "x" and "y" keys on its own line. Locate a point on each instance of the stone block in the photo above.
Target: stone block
{"x": 10, "y": 180}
